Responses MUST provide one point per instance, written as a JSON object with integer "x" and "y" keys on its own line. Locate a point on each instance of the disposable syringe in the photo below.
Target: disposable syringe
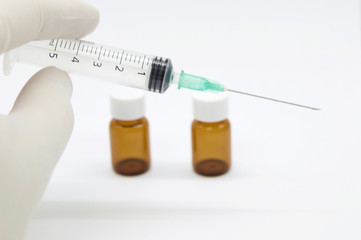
{"x": 124, "y": 67}
{"x": 117, "y": 65}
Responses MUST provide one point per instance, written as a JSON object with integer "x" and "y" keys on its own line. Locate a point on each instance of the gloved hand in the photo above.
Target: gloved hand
{"x": 35, "y": 133}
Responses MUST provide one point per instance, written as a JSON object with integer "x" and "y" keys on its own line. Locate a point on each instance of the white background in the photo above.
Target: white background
{"x": 295, "y": 173}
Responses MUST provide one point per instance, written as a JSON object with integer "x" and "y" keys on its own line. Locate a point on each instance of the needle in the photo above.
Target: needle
{"x": 272, "y": 99}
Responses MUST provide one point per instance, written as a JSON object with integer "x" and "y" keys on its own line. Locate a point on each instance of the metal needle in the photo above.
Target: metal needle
{"x": 272, "y": 99}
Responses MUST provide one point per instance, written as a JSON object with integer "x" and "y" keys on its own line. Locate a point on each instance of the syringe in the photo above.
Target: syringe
{"x": 117, "y": 65}
{"x": 124, "y": 67}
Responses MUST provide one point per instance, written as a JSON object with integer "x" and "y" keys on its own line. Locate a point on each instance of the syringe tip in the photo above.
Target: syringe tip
{"x": 199, "y": 83}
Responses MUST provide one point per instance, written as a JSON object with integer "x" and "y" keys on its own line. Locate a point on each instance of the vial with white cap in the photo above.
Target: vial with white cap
{"x": 129, "y": 133}
{"x": 211, "y": 134}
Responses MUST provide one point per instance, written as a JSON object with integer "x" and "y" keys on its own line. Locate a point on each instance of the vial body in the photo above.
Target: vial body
{"x": 211, "y": 146}
{"x": 130, "y": 146}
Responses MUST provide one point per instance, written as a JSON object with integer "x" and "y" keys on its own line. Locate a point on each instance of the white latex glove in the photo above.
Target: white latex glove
{"x": 35, "y": 133}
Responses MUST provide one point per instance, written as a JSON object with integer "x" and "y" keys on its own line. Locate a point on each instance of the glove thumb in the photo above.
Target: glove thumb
{"x": 33, "y": 138}
{"x": 43, "y": 119}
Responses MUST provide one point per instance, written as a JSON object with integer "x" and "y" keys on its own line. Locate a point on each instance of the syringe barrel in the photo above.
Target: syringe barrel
{"x": 107, "y": 63}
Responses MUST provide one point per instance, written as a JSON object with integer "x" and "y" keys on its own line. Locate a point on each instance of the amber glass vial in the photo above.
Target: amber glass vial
{"x": 129, "y": 134}
{"x": 211, "y": 134}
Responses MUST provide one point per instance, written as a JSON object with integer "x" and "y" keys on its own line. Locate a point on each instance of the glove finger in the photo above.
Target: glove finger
{"x": 26, "y": 20}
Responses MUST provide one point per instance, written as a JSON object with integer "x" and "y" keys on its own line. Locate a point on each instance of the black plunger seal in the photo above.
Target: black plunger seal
{"x": 160, "y": 75}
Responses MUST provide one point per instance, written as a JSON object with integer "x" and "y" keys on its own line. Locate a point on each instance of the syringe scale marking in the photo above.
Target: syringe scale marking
{"x": 77, "y": 51}
{"x": 121, "y": 58}
{"x": 56, "y": 44}
{"x": 143, "y": 60}
{"x": 100, "y": 52}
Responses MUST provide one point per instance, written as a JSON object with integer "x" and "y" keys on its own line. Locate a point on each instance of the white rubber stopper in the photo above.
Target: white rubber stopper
{"x": 210, "y": 107}
{"x": 128, "y": 104}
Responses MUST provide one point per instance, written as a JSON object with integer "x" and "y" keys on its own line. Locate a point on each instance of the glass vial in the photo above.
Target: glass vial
{"x": 211, "y": 134}
{"x": 129, "y": 133}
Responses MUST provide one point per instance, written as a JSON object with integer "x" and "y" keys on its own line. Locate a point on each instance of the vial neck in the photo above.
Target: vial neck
{"x": 210, "y": 124}
{"x": 129, "y": 123}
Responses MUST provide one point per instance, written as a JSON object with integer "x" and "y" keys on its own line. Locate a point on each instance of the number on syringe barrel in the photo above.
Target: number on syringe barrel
{"x": 97, "y": 64}
{"x": 53, "y": 55}
{"x": 120, "y": 69}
